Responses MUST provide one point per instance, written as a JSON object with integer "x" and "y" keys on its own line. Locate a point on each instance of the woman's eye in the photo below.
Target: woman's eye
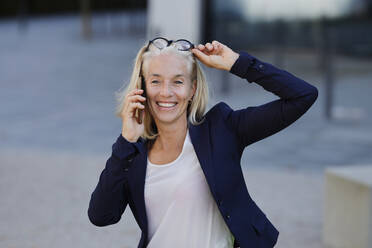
{"x": 179, "y": 82}
{"x": 154, "y": 82}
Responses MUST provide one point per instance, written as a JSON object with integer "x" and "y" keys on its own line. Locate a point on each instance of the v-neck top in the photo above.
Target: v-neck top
{"x": 180, "y": 208}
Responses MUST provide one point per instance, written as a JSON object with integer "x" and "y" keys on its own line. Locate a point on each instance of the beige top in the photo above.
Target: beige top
{"x": 180, "y": 209}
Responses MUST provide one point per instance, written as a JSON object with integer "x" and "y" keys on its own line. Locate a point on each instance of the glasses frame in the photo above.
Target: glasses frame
{"x": 169, "y": 42}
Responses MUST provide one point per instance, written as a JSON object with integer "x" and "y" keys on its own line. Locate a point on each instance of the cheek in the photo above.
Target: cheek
{"x": 184, "y": 95}
{"x": 150, "y": 93}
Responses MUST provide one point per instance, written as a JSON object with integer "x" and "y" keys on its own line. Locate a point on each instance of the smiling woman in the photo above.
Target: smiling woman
{"x": 170, "y": 75}
{"x": 179, "y": 169}
{"x": 169, "y": 87}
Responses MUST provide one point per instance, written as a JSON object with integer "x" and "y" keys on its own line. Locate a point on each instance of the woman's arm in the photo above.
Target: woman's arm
{"x": 110, "y": 197}
{"x": 258, "y": 122}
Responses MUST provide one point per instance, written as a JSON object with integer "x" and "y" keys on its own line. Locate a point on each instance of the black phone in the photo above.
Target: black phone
{"x": 140, "y": 111}
{"x": 143, "y": 86}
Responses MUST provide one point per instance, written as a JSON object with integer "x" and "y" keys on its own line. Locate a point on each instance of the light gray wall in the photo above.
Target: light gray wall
{"x": 174, "y": 19}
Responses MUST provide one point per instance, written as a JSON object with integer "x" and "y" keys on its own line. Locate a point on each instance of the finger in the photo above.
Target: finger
{"x": 136, "y": 98}
{"x": 201, "y": 47}
{"x": 221, "y": 45}
{"x": 133, "y": 106}
{"x": 209, "y": 46}
{"x": 200, "y": 55}
{"x": 131, "y": 93}
{"x": 216, "y": 45}
{"x": 134, "y": 92}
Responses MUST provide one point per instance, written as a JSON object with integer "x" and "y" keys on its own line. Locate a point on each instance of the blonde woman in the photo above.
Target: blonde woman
{"x": 178, "y": 167}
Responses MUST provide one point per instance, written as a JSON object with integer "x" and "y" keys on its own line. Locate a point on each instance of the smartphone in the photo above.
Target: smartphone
{"x": 139, "y": 112}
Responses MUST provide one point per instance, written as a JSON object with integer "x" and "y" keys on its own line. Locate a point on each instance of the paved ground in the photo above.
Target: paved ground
{"x": 45, "y": 196}
{"x": 57, "y": 127}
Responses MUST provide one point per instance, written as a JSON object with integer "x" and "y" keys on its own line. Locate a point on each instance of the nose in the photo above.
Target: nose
{"x": 165, "y": 90}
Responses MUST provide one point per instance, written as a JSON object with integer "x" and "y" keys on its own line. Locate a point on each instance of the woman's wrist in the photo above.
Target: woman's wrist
{"x": 128, "y": 138}
{"x": 232, "y": 60}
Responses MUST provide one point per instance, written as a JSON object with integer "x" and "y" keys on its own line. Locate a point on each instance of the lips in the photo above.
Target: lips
{"x": 166, "y": 104}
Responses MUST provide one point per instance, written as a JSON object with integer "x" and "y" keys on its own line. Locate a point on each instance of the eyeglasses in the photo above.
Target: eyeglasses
{"x": 161, "y": 43}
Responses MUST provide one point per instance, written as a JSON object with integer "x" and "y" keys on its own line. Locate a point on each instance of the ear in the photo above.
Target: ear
{"x": 193, "y": 87}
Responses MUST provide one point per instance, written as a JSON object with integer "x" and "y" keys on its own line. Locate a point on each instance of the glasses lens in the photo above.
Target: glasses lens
{"x": 160, "y": 43}
{"x": 182, "y": 45}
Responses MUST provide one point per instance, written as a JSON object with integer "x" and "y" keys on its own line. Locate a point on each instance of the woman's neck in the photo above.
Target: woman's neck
{"x": 171, "y": 136}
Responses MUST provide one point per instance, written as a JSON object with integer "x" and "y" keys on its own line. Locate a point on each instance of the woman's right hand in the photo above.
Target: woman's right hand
{"x": 131, "y": 130}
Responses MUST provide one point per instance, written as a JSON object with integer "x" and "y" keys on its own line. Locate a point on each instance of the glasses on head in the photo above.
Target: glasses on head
{"x": 161, "y": 43}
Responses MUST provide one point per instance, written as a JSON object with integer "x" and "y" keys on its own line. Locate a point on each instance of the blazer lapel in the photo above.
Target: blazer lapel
{"x": 200, "y": 139}
{"x": 139, "y": 176}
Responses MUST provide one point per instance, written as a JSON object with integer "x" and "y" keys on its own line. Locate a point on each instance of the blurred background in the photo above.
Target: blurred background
{"x": 62, "y": 61}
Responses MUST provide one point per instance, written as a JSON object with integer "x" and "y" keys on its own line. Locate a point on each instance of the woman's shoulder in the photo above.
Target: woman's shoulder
{"x": 219, "y": 110}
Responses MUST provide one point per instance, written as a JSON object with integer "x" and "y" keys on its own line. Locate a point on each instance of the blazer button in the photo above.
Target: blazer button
{"x": 126, "y": 169}
{"x": 228, "y": 216}
{"x": 130, "y": 160}
{"x": 261, "y": 67}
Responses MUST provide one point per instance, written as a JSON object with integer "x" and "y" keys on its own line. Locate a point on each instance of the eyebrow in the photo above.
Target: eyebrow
{"x": 158, "y": 75}
{"x": 179, "y": 75}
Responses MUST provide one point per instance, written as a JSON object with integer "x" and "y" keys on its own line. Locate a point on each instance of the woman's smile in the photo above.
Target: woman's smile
{"x": 166, "y": 105}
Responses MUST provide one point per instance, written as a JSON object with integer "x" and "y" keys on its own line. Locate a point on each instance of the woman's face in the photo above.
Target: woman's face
{"x": 168, "y": 88}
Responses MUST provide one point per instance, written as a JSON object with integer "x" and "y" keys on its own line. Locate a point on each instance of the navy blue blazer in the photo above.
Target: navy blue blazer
{"x": 219, "y": 143}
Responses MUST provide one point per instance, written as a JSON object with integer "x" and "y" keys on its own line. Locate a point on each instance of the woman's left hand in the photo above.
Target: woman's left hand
{"x": 216, "y": 55}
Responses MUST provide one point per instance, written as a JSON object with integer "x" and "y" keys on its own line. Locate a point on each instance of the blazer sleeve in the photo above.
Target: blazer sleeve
{"x": 110, "y": 197}
{"x": 258, "y": 122}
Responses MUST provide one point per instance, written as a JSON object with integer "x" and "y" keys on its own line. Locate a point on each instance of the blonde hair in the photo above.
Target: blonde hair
{"x": 195, "y": 110}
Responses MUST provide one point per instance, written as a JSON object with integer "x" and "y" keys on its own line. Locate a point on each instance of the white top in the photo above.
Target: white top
{"x": 180, "y": 209}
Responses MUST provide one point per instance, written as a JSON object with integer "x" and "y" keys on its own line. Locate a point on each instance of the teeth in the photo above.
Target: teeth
{"x": 166, "y": 104}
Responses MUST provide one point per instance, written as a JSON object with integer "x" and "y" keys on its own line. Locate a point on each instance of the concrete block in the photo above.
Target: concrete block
{"x": 348, "y": 207}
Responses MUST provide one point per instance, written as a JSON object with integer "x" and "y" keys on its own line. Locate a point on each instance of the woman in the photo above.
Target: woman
{"x": 178, "y": 168}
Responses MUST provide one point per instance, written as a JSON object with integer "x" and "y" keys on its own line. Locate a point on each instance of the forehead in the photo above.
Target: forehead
{"x": 166, "y": 65}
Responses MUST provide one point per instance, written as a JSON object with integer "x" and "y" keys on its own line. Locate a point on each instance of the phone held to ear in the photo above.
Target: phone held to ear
{"x": 139, "y": 112}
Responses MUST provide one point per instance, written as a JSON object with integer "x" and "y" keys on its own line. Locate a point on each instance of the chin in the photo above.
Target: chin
{"x": 164, "y": 118}
{"x": 168, "y": 119}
